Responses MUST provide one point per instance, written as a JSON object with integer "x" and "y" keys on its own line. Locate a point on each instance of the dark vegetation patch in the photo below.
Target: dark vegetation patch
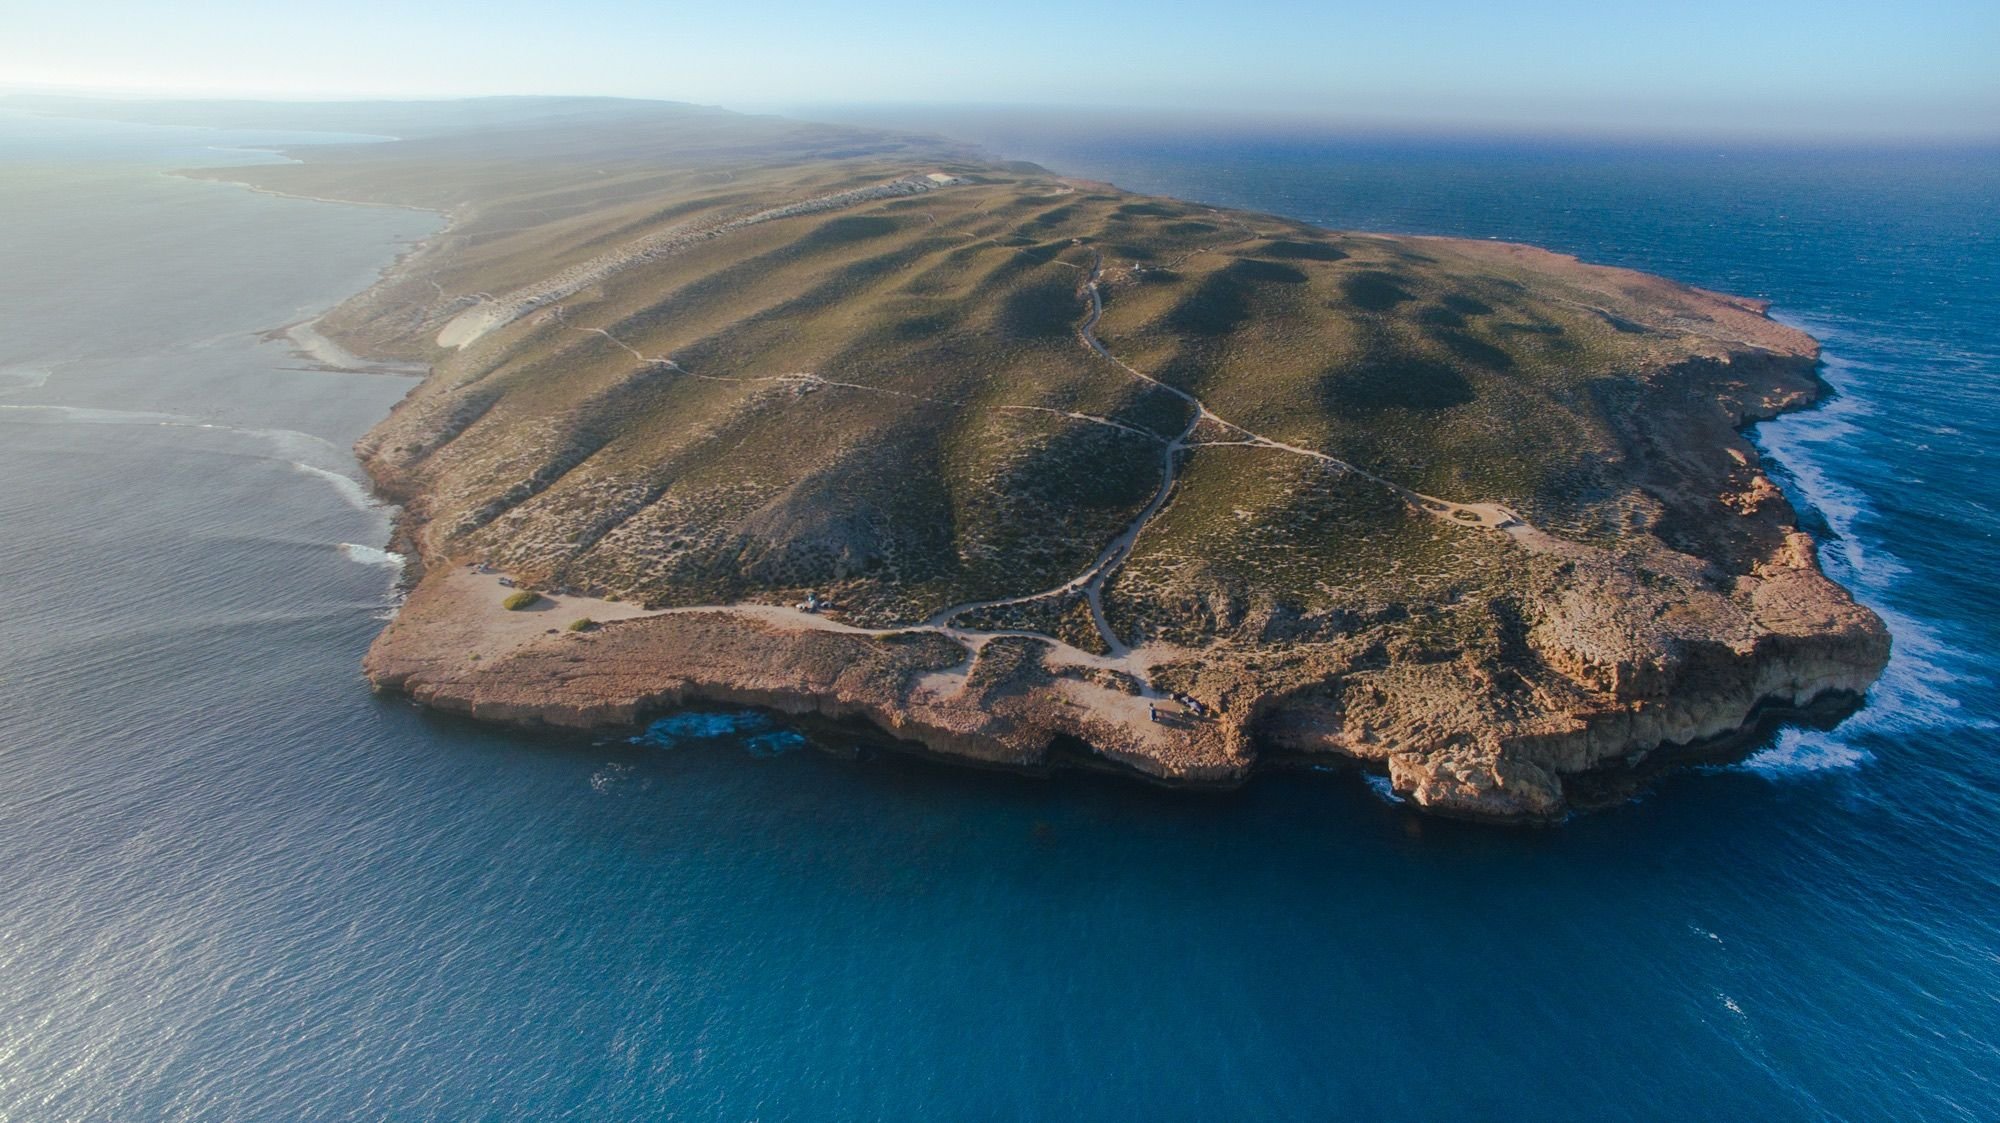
{"x": 925, "y": 326}
{"x": 1129, "y": 251}
{"x": 724, "y": 288}
{"x": 1436, "y": 317}
{"x": 1531, "y": 329}
{"x": 1277, "y": 544}
{"x": 1378, "y": 384}
{"x": 1190, "y": 228}
{"x": 1055, "y": 217}
{"x": 1303, "y": 251}
{"x": 1045, "y": 309}
{"x": 1155, "y": 210}
{"x": 1222, "y": 302}
{"x": 868, "y": 269}
{"x": 1255, "y": 271}
{"x": 757, "y": 329}
{"x": 1037, "y": 506}
{"x": 853, "y": 228}
{"x": 1474, "y": 350}
{"x": 1157, "y": 411}
{"x": 1620, "y": 323}
{"x": 1041, "y": 253}
{"x": 1187, "y": 369}
{"x": 1465, "y": 305}
{"x": 1089, "y": 467}
{"x": 1217, "y": 306}
{"x": 1375, "y": 291}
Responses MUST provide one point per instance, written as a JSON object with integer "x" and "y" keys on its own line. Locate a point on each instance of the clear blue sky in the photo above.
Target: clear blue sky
{"x": 1825, "y": 66}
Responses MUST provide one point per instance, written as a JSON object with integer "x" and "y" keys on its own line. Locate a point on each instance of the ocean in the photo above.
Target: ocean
{"x": 235, "y": 885}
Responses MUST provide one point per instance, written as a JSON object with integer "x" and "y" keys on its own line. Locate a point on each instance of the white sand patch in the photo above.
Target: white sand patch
{"x": 306, "y": 339}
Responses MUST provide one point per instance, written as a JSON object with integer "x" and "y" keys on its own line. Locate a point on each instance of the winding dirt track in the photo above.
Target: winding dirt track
{"x": 1091, "y": 581}
{"x": 1137, "y": 661}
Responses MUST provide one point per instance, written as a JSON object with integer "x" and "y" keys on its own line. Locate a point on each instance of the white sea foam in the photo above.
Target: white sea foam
{"x": 1383, "y": 789}
{"x": 290, "y": 442}
{"x": 1799, "y": 443}
{"x": 1919, "y": 688}
{"x": 1918, "y": 692}
{"x": 13, "y": 380}
{"x": 299, "y": 449}
{"x": 349, "y": 488}
{"x": 609, "y": 777}
{"x": 1804, "y": 752}
{"x": 371, "y": 555}
{"x": 83, "y": 415}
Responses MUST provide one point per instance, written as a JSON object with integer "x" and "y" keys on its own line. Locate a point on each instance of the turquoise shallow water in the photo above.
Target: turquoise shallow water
{"x": 235, "y": 885}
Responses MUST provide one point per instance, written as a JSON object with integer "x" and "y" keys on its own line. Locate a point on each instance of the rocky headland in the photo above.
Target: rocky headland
{"x": 1037, "y": 473}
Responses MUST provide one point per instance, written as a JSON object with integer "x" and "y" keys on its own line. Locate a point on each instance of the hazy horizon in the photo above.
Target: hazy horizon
{"x": 1002, "y": 129}
{"x": 1921, "y": 70}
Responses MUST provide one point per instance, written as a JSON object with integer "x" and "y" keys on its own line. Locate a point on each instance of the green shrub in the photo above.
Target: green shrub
{"x": 525, "y": 598}
{"x": 583, "y": 624}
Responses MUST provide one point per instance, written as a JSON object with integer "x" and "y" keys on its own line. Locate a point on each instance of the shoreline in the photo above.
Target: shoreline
{"x": 201, "y": 175}
{"x": 541, "y": 655}
{"x": 310, "y": 344}
{"x": 956, "y": 728}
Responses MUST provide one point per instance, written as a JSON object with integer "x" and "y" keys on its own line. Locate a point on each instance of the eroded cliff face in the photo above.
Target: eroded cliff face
{"x": 1606, "y": 664}
{"x": 1068, "y": 474}
{"x": 1462, "y": 737}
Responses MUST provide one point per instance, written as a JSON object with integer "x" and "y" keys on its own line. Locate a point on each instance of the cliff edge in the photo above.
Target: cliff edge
{"x": 1035, "y": 472}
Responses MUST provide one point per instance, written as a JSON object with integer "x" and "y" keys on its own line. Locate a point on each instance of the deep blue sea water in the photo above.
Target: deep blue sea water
{"x": 235, "y": 885}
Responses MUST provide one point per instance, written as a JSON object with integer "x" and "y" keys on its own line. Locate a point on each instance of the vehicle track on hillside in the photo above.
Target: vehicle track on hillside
{"x": 1092, "y": 580}
{"x": 493, "y": 313}
{"x": 1135, "y": 660}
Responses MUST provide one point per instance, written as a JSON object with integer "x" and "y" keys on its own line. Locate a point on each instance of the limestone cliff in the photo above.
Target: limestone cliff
{"x": 1065, "y": 474}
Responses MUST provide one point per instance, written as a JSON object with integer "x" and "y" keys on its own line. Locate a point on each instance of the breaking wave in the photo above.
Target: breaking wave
{"x": 350, "y": 489}
{"x": 1919, "y": 689}
{"x": 1382, "y": 788}
{"x": 290, "y": 442}
{"x": 1803, "y": 752}
{"x": 299, "y": 449}
{"x": 371, "y": 555}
